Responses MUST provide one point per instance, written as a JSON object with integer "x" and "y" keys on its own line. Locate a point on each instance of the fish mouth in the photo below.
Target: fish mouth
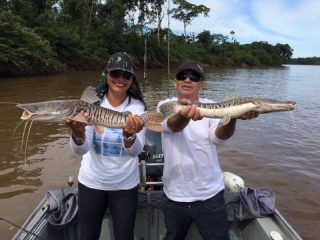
{"x": 26, "y": 115}
{"x": 291, "y": 106}
{"x": 28, "y": 111}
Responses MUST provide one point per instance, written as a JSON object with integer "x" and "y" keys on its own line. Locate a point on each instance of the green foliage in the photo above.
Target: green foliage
{"x": 22, "y": 51}
{"x": 305, "y": 61}
{"x": 205, "y": 38}
{"x": 186, "y": 12}
{"x": 35, "y": 40}
{"x": 285, "y": 51}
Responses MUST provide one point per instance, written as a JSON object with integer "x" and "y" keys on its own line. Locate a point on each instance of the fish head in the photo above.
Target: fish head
{"x": 49, "y": 111}
{"x": 270, "y": 105}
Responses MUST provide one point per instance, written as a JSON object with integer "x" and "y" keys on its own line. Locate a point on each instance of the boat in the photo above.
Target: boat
{"x": 149, "y": 220}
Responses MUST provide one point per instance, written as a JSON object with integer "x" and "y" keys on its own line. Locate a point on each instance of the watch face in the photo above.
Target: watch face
{"x": 130, "y": 138}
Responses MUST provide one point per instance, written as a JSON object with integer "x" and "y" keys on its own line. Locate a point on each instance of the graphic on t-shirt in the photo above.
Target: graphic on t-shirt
{"x": 110, "y": 143}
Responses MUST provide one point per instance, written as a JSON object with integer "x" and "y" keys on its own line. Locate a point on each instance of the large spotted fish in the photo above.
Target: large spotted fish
{"x": 77, "y": 110}
{"x": 232, "y": 107}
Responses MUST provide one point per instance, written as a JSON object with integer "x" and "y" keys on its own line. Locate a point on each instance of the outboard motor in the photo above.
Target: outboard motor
{"x": 151, "y": 161}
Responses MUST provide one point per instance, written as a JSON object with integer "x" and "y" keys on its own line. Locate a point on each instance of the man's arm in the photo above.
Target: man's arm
{"x": 226, "y": 131}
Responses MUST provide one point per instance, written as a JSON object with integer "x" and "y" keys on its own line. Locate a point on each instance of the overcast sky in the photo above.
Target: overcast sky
{"x": 295, "y": 22}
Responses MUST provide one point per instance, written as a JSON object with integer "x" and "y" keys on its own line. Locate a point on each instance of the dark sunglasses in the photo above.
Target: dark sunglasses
{"x": 193, "y": 76}
{"x": 119, "y": 73}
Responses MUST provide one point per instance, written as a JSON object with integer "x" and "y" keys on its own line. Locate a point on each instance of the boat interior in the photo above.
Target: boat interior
{"x": 150, "y": 220}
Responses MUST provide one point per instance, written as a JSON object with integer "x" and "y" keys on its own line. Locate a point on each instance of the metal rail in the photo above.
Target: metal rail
{"x": 143, "y": 174}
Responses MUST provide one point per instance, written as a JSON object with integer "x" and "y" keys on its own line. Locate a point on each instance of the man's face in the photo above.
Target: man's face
{"x": 188, "y": 84}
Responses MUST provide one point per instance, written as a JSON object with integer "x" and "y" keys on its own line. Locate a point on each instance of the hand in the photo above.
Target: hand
{"x": 249, "y": 115}
{"x": 134, "y": 124}
{"x": 190, "y": 111}
{"x": 77, "y": 128}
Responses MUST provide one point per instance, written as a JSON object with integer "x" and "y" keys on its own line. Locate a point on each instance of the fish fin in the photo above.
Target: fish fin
{"x": 224, "y": 121}
{"x": 169, "y": 115}
{"x": 79, "y": 118}
{"x": 153, "y": 121}
{"x": 169, "y": 109}
{"x": 99, "y": 129}
{"x": 230, "y": 96}
{"x": 126, "y": 113}
{"x": 89, "y": 95}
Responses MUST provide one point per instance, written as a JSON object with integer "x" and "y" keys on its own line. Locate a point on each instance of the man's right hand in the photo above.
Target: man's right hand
{"x": 190, "y": 111}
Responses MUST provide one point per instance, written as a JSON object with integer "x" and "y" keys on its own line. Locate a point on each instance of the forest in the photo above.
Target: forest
{"x": 41, "y": 37}
{"x": 305, "y": 61}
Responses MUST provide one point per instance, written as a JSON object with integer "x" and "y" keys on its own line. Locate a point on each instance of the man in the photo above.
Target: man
{"x": 192, "y": 177}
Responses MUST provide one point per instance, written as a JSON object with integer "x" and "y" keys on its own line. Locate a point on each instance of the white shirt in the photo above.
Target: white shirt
{"x": 106, "y": 163}
{"x": 191, "y": 168}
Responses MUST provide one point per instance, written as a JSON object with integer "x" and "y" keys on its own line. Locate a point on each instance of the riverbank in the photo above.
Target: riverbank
{"x": 95, "y": 64}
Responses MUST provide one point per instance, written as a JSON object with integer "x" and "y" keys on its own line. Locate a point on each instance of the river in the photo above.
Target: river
{"x": 276, "y": 150}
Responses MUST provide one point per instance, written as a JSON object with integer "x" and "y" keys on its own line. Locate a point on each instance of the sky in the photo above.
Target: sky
{"x": 293, "y": 22}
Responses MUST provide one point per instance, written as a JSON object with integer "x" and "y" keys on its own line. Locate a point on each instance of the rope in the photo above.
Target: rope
{"x": 151, "y": 198}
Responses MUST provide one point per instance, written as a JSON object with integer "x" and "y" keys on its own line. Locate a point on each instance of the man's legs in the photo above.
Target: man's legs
{"x": 211, "y": 218}
{"x": 177, "y": 220}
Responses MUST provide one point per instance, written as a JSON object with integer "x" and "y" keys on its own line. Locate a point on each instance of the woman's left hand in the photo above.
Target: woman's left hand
{"x": 134, "y": 124}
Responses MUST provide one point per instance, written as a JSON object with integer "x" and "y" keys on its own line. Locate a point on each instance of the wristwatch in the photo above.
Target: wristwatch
{"x": 78, "y": 140}
{"x": 130, "y": 138}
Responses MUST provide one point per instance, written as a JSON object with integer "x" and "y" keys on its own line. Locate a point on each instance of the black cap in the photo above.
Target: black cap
{"x": 191, "y": 65}
{"x": 121, "y": 61}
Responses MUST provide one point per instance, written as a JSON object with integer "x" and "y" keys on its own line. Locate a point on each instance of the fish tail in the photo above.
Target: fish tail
{"x": 153, "y": 121}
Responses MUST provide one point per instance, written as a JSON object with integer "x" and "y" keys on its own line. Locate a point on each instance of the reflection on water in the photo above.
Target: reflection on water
{"x": 273, "y": 150}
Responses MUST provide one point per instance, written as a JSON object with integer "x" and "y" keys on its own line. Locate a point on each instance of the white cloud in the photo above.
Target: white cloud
{"x": 295, "y": 22}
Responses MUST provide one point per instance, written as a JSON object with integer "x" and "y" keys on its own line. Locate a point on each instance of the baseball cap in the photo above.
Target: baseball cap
{"x": 121, "y": 61}
{"x": 191, "y": 65}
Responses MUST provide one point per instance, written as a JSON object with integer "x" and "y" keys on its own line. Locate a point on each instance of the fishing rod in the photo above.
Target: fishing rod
{"x": 168, "y": 13}
{"x": 20, "y": 227}
{"x": 145, "y": 59}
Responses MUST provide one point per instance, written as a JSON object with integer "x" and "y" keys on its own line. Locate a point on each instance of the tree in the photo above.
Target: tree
{"x": 22, "y": 51}
{"x": 205, "y": 38}
{"x": 285, "y": 51}
{"x": 233, "y": 34}
{"x": 219, "y": 39}
{"x": 186, "y": 12}
{"x": 160, "y": 14}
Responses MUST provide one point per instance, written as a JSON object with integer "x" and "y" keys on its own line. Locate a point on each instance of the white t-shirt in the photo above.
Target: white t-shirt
{"x": 191, "y": 168}
{"x": 106, "y": 163}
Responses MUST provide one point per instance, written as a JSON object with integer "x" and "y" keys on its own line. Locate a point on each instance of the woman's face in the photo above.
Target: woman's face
{"x": 119, "y": 81}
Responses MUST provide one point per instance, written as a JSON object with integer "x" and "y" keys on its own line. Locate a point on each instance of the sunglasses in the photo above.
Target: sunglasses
{"x": 193, "y": 76}
{"x": 119, "y": 73}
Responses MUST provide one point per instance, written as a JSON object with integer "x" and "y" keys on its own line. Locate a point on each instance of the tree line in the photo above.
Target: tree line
{"x": 305, "y": 61}
{"x": 48, "y": 36}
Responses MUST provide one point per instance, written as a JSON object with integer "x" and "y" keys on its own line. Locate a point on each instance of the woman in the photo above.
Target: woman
{"x": 109, "y": 173}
